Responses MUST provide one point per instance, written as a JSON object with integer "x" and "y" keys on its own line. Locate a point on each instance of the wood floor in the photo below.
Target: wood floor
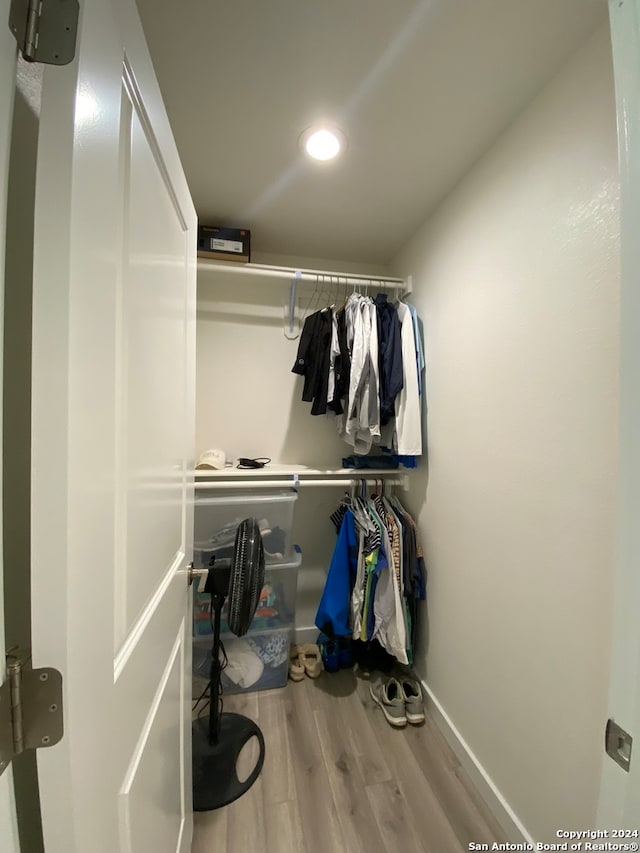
{"x": 338, "y": 779}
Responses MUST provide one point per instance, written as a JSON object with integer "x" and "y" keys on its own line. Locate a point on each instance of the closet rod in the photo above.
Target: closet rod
{"x": 306, "y": 274}
{"x": 402, "y": 482}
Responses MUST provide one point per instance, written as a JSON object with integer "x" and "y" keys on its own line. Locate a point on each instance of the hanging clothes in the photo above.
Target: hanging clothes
{"x": 342, "y": 363}
{"x": 374, "y": 376}
{"x": 360, "y": 424}
{"x": 411, "y": 461}
{"x": 392, "y": 630}
{"x": 332, "y": 617}
{"x": 376, "y": 577}
{"x": 419, "y": 346}
{"x": 368, "y": 556}
{"x": 334, "y": 352}
{"x": 389, "y": 356}
{"x": 408, "y": 430}
{"x": 313, "y": 359}
{"x": 364, "y": 364}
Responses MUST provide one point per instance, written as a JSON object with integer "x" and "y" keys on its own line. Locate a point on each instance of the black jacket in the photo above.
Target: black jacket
{"x": 312, "y": 360}
{"x": 389, "y": 356}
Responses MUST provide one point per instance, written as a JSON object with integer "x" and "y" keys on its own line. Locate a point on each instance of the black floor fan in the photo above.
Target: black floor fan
{"x": 219, "y": 738}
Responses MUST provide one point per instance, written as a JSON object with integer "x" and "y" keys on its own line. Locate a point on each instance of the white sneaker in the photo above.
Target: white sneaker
{"x": 388, "y": 695}
{"x": 412, "y": 695}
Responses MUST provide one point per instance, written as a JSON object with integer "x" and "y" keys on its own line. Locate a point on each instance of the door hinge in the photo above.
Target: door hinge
{"x": 30, "y": 709}
{"x": 45, "y": 29}
{"x": 618, "y": 745}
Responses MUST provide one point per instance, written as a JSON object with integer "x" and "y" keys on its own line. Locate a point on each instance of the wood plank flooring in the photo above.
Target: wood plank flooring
{"x": 338, "y": 779}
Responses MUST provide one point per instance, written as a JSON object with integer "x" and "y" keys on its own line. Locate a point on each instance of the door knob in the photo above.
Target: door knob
{"x": 193, "y": 573}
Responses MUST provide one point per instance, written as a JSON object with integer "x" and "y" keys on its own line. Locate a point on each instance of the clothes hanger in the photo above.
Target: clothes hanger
{"x": 361, "y": 511}
{"x": 324, "y": 296}
{"x": 309, "y": 303}
{"x": 345, "y": 294}
{"x": 335, "y": 291}
{"x": 330, "y": 293}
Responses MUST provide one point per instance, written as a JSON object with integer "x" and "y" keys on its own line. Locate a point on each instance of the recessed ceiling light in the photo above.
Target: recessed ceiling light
{"x": 322, "y": 143}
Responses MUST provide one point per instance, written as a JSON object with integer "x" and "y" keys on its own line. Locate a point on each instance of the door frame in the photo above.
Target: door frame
{"x": 618, "y": 789}
{"x": 8, "y": 58}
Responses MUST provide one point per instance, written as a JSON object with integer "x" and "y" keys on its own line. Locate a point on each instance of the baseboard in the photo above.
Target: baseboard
{"x": 306, "y": 635}
{"x": 497, "y": 804}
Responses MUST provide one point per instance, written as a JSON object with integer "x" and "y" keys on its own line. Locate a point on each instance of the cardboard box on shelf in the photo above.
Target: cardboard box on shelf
{"x": 224, "y": 244}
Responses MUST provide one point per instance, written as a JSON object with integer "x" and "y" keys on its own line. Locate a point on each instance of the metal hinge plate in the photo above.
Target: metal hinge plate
{"x": 30, "y": 710}
{"x": 45, "y": 29}
{"x": 618, "y": 745}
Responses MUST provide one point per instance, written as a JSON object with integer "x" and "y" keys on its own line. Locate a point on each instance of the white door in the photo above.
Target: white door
{"x": 8, "y": 826}
{"x": 112, "y": 451}
{"x": 620, "y": 790}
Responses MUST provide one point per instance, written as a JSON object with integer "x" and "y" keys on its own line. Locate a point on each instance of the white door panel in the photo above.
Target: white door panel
{"x": 113, "y": 384}
{"x": 151, "y": 789}
{"x": 152, "y": 369}
{"x": 8, "y": 826}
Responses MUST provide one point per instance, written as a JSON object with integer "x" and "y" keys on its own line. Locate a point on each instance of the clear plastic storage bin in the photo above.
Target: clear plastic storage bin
{"x": 260, "y": 659}
{"x": 257, "y": 661}
{"x": 216, "y": 521}
{"x": 276, "y": 608}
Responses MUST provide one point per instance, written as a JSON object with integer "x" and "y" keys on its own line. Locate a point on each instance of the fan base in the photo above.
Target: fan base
{"x": 215, "y": 775}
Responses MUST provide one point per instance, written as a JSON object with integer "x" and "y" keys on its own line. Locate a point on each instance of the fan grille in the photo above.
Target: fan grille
{"x": 247, "y": 576}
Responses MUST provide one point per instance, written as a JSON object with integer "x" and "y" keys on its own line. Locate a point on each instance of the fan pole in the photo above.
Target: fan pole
{"x": 218, "y": 742}
{"x": 217, "y": 602}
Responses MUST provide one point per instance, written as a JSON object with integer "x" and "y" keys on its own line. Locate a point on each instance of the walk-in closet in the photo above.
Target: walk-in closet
{"x": 513, "y": 274}
{"x": 498, "y": 276}
{"x": 320, "y": 416}
{"x": 325, "y": 745}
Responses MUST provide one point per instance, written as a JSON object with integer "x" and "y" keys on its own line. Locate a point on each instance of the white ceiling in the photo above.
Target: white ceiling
{"x": 420, "y": 87}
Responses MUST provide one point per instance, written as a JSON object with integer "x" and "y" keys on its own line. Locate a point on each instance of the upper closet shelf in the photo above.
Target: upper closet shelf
{"x": 295, "y": 476}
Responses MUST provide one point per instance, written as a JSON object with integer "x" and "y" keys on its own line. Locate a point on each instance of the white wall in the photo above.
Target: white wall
{"x": 248, "y": 401}
{"x": 516, "y": 278}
